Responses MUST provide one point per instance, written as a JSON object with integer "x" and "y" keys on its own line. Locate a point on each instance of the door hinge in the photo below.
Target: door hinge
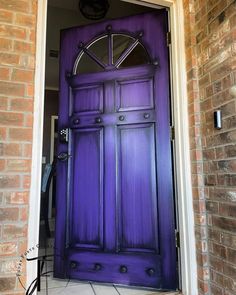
{"x": 177, "y": 239}
{"x": 168, "y": 38}
{"x": 172, "y": 133}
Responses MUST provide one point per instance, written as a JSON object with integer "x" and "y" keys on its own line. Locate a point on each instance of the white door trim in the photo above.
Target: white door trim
{"x": 35, "y": 187}
{"x": 183, "y": 172}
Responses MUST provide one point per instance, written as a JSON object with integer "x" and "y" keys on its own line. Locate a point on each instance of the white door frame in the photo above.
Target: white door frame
{"x": 183, "y": 172}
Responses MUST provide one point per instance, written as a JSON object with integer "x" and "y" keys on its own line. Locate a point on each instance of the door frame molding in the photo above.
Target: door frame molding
{"x": 182, "y": 149}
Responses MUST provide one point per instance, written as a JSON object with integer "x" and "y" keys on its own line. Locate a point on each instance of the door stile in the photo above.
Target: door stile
{"x": 110, "y": 167}
{"x": 164, "y": 169}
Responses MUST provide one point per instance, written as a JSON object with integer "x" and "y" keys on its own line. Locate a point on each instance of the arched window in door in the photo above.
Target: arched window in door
{"x": 111, "y": 51}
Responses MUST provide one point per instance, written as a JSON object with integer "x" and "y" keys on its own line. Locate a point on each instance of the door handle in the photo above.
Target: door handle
{"x": 63, "y": 157}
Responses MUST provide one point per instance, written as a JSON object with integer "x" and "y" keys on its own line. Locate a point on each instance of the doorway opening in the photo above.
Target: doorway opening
{"x": 61, "y": 15}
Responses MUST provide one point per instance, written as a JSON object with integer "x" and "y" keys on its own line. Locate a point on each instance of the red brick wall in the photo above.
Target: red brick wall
{"x": 17, "y": 58}
{"x": 210, "y": 36}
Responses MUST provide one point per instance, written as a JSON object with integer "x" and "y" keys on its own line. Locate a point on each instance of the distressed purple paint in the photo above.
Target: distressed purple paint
{"x": 114, "y": 209}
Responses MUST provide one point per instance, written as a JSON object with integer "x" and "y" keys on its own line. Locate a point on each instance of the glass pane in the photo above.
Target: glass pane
{"x": 87, "y": 65}
{"x": 138, "y": 56}
{"x": 100, "y": 49}
{"x": 120, "y": 44}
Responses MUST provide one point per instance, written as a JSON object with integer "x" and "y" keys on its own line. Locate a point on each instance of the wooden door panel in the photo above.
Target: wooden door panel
{"x": 138, "y": 229}
{"x": 134, "y": 98}
{"x": 88, "y": 99}
{"x": 87, "y": 190}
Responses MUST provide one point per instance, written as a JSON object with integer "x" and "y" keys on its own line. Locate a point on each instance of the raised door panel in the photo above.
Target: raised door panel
{"x": 138, "y": 230}
{"x": 87, "y": 201}
{"x": 134, "y": 94}
{"x": 88, "y": 99}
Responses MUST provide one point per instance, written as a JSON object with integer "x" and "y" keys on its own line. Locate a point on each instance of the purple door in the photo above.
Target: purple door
{"x": 115, "y": 211}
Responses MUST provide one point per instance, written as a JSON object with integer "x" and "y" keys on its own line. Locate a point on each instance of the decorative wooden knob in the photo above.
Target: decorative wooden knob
{"x": 146, "y": 116}
{"x": 98, "y": 120}
{"x": 123, "y": 269}
{"x": 76, "y": 121}
{"x": 73, "y": 264}
{"x": 151, "y": 272}
{"x": 97, "y": 266}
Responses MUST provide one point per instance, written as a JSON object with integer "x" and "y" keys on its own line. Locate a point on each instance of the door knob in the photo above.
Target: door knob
{"x": 121, "y": 118}
{"x": 98, "y": 120}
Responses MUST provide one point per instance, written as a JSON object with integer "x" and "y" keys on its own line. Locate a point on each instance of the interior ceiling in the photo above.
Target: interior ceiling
{"x": 66, "y": 4}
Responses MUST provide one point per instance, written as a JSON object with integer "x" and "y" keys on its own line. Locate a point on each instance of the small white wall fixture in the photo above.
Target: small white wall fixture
{"x": 180, "y": 114}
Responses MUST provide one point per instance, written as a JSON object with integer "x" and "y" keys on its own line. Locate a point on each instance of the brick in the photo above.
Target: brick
{"x": 2, "y": 133}
{"x": 2, "y": 165}
{"x": 12, "y": 119}
{"x": 228, "y": 109}
{"x": 227, "y": 210}
{"x": 8, "y": 266}
{"x": 25, "y": 20}
{"x": 3, "y": 103}
{"x": 20, "y": 165}
{"x": 6, "y": 16}
{"x": 231, "y": 256}
{"x": 15, "y": 5}
{"x": 216, "y": 263}
{"x": 216, "y": 10}
{"x": 7, "y": 283}
{"x": 230, "y": 150}
{"x": 10, "y": 149}
{"x": 222, "y": 70}
{"x": 18, "y": 198}
{"x": 27, "y": 152}
{"x": 32, "y": 36}
{"x": 5, "y": 44}
{"x": 228, "y": 239}
{"x": 224, "y": 223}
{"x": 212, "y": 207}
{"x": 9, "y": 248}
{"x": 20, "y": 134}
{"x": 9, "y": 59}
{"x": 22, "y": 75}
{"x": 20, "y": 104}
{"x": 24, "y": 213}
{"x": 12, "y": 89}
{"x": 26, "y": 182}
{"x": 9, "y": 181}
{"x": 14, "y": 231}
{"x": 29, "y": 120}
{"x": 9, "y": 214}
{"x": 4, "y": 73}
{"x": 12, "y": 31}
{"x": 219, "y": 250}
{"x": 24, "y": 47}
{"x": 216, "y": 290}
{"x": 30, "y": 90}
{"x": 229, "y": 270}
